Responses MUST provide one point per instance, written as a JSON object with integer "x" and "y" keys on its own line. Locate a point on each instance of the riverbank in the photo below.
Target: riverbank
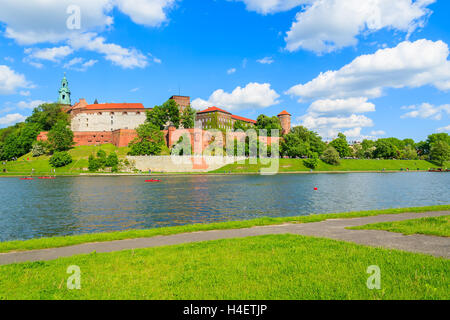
{"x": 277, "y": 262}
{"x": 58, "y": 242}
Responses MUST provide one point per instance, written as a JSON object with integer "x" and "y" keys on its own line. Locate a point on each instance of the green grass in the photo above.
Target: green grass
{"x": 57, "y": 242}
{"x": 80, "y": 156}
{"x": 267, "y": 267}
{"x": 437, "y": 226}
{"x": 296, "y": 165}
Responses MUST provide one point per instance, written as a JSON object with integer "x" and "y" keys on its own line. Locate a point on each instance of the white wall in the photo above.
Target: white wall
{"x": 106, "y": 121}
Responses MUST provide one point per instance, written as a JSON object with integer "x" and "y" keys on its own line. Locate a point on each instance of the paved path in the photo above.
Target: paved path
{"x": 333, "y": 229}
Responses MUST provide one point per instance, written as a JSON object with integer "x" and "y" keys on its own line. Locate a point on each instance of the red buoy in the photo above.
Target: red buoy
{"x": 315, "y": 189}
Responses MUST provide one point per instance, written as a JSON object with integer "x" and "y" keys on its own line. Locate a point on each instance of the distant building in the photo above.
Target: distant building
{"x": 216, "y": 118}
{"x": 182, "y": 101}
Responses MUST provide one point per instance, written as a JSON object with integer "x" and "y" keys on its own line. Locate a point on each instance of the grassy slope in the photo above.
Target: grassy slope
{"x": 133, "y": 234}
{"x": 268, "y": 267}
{"x": 296, "y": 165}
{"x": 79, "y": 155}
{"x": 439, "y": 226}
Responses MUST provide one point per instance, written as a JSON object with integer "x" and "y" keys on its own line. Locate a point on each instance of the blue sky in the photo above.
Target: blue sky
{"x": 366, "y": 68}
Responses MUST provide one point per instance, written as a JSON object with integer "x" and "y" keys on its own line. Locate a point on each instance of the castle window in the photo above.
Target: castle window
{"x": 112, "y": 113}
{"x": 138, "y": 113}
{"x": 125, "y": 113}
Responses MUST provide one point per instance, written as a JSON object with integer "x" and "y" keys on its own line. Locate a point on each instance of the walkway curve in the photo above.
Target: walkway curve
{"x": 332, "y": 229}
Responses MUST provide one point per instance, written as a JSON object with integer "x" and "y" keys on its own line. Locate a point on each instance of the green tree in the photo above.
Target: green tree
{"x": 188, "y": 118}
{"x": 94, "y": 163}
{"x": 341, "y": 145}
{"x": 150, "y": 141}
{"x": 60, "y": 137}
{"x": 47, "y": 115}
{"x": 331, "y": 156}
{"x": 312, "y": 162}
{"x": 60, "y": 159}
{"x": 409, "y": 152}
{"x": 159, "y": 116}
{"x": 301, "y": 142}
{"x": 440, "y": 152}
{"x": 265, "y": 123}
{"x": 112, "y": 160}
{"x": 385, "y": 149}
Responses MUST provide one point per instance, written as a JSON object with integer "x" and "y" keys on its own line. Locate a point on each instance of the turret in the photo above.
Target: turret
{"x": 285, "y": 119}
{"x": 64, "y": 92}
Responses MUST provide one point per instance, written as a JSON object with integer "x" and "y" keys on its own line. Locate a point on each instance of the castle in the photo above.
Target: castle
{"x": 116, "y": 123}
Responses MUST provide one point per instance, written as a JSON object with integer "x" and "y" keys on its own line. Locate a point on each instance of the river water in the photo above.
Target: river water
{"x": 76, "y": 205}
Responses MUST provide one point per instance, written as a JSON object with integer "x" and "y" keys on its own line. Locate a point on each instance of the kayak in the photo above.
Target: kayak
{"x": 26, "y": 179}
{"x": 153, "y": 180}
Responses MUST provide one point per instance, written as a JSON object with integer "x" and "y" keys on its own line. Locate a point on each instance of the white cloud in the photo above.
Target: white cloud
{"x": 341, "y": 106}
{"x": 409, "y": 64}
{"x": 378, "y": 133}
{"x": 135, "y": 89}
{"x": 10, "y": 81}
{"x": 37, "y": 21}
{"x": 79, "y": 64}
{"x": 444, "y": 129}
{"x": 253, "y": 96}
{"x": 272, "y": 6}
{"x": 25, "y": 93}
{"x": 123, "y": 57}
{"x": 231, "y": 71}
{"x": 146, "y": 12}
{"x": 266, "y": 60}
{"x": 51, "y": 54}
{"x": 30, "y": 104}
{"x": 329, "y": 127}
{"x": 10, "y": 119}
{"x": 328, "y": 25}
{"x": 427, "y": 111}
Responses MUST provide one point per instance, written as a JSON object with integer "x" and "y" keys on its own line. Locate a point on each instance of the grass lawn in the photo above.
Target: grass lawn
{"x": 437, "y": 226}
{"x": 296, "y": 165}
{"x": 80, "y": 156}
{"x": 55, "y": 242}
{"x": 267, "y": 267}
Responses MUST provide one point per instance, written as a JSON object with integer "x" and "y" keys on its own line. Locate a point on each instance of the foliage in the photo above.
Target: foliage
{"x": 60, "y": 159}
{"x": 265, "y": 123}
{"x": 385, "y": 149}
{"x": 312, "y": 163}
{"x": 19, "y": 141}
{"x": 60, "y": 137}
{"x": 440, "y": 152}
{"x": 112, "y": 160}
{"x": 159, "y": 116}
{"x": 39, "y": 149}
{"x": 301, "y": 142}
{"x": 48, "y": 115}
{"x": 150, "y": 141}
{"x": 341, "y": 146}
{"x": 94, "y": 163}
{"x": 409, "y": 152}
{"x": 331, "y": 156}
{"x": 241, "y": 125}
{"x": 188, "y": 118}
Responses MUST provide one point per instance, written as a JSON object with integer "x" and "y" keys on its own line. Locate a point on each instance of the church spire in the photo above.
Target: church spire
{"x": 64, "y": 92}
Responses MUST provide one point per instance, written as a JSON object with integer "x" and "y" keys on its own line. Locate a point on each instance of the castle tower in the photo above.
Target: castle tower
{"x": 64, "y": 92}
{"x": 285, "y": 119}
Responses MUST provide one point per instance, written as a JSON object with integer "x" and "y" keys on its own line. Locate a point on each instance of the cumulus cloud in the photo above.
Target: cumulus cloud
{"x": 409, "y": 64}
{"x": 328, "y": 25}
{"x": 123, "y": 57}
{"x": 378, "y": 133}
{"x": 272, "y": 6}
{"x": 444, "y": 129}
{"x": 427, "y": 111}
{"x": 36, "y": 21}
{"x": 50, "y": 54}
{"x": 10, "y": 119}
{"x": 341, "y": 106}
{"x": 231, "y": 71}
{"x": 10, "y": 80}
{"x": 266, "y": 60}
{"x": 252, "y": 96}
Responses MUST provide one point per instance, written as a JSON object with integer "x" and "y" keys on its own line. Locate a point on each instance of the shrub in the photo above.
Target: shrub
{"x": 331, "y": 156}
{"x": 60, "y": 159}
{"x": 94, "y": 163}
{"x": 38, "y": 149}
{"x": 112, "y": 160}
{"x": 311, "y": 163}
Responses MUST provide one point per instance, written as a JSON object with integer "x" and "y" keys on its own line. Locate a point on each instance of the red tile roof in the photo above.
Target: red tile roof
{"x": 213, "y": 109}
{"x": 243, "y": 119}
{"x": 115, "y": 106}
{"x": 284, "y": 113}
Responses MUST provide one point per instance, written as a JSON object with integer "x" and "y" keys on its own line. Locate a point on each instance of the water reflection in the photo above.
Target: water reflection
{"x": 97, "y": 204}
